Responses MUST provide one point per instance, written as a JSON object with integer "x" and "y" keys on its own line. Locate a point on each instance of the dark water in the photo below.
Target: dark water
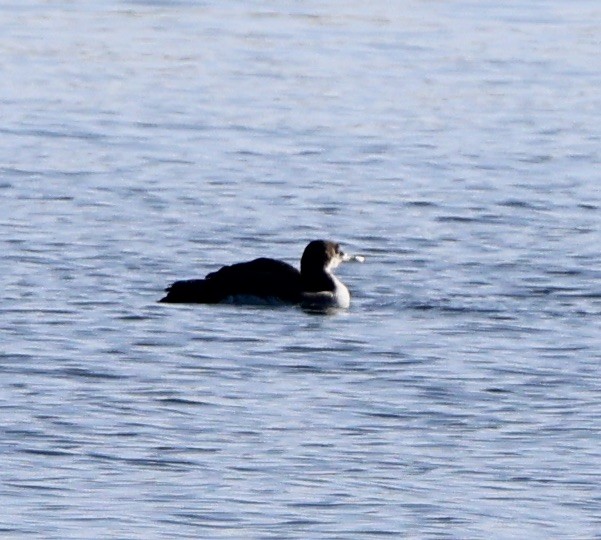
{"x": 455, "y": 144}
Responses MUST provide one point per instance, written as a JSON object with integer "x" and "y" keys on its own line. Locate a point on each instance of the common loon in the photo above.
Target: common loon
{"x": 270, "y": 280}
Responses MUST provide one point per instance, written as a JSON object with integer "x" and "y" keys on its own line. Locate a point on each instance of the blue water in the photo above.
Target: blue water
{"x": 455, "y": 144}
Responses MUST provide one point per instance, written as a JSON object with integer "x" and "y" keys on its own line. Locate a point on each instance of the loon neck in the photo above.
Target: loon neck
{"x": 317, "y": 280}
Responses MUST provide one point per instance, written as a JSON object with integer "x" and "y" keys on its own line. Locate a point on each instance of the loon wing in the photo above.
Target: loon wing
{"x": 260, "y": 278}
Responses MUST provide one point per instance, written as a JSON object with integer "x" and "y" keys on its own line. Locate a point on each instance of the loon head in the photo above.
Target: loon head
{"x": 321, "y": 256}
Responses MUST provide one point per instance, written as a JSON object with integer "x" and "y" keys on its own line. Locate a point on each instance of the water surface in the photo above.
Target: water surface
{"x": 454, "y": 144}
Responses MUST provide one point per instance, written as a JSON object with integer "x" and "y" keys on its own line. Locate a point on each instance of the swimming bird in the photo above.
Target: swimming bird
{"x": 267, "y": 280}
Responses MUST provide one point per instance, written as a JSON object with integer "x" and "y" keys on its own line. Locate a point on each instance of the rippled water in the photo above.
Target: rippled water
{"x": 455, "y": 144}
